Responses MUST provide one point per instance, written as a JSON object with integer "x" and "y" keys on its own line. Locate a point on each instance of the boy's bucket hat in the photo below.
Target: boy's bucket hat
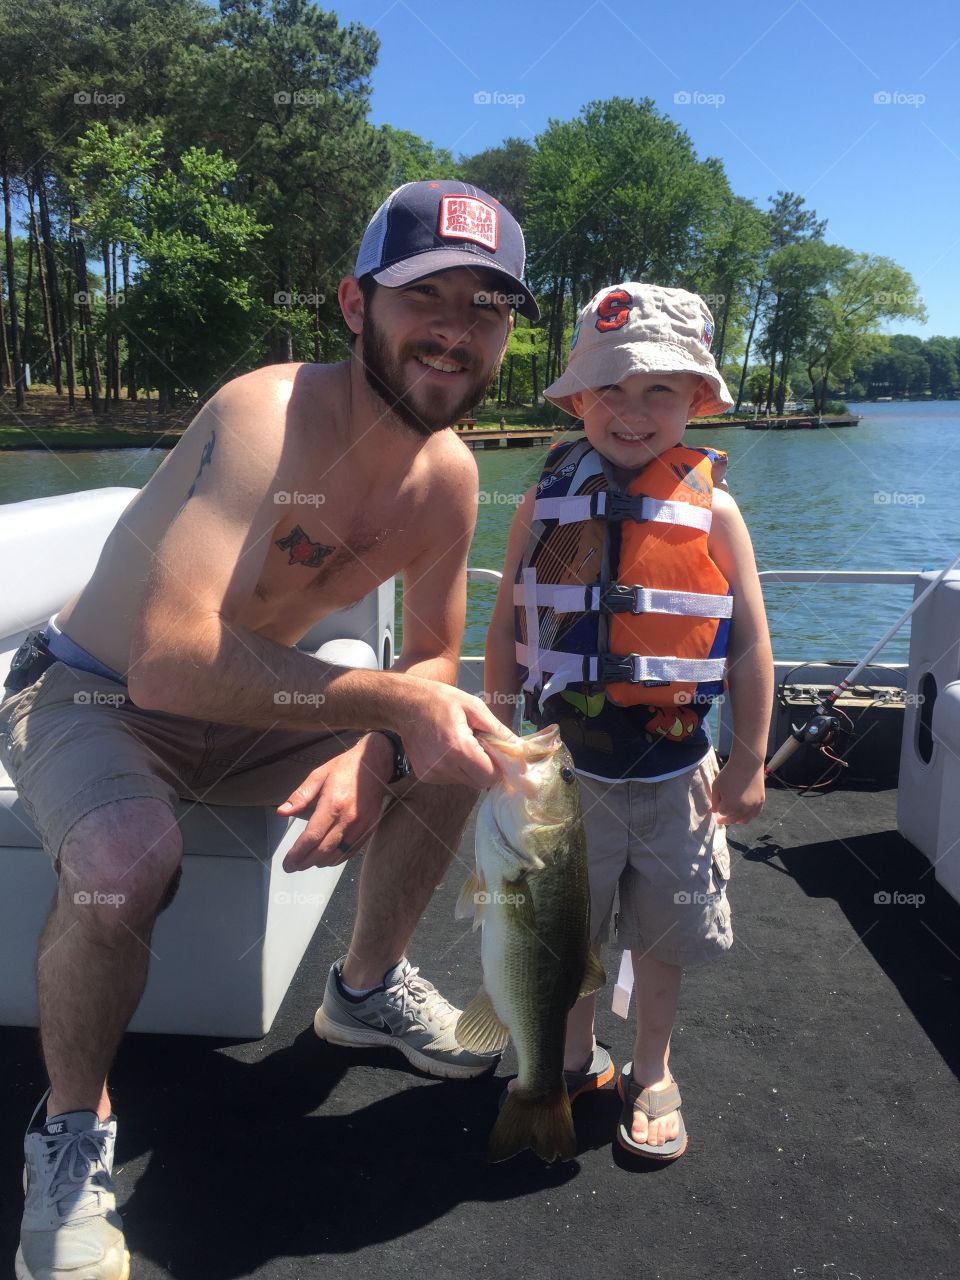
{"x": 641, "y": 328}
{"x": 425, "y": 227}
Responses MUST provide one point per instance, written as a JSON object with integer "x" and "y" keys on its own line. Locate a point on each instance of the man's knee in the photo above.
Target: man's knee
{"x": 441, "y": 808}
{"x": 121, "y": 863}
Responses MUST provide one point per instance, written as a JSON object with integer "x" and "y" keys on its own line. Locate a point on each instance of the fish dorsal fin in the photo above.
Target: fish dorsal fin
{"x": 469, "y": 903}
{"x": 478, "y": 1027}
{"x": 593, "y": 976}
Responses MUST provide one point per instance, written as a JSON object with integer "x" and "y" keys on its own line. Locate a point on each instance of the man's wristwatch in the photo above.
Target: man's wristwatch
{"x": 401, "y": 765}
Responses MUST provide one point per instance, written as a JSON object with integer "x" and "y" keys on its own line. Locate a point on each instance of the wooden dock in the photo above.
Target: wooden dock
{"x": 804, "y": 422}
{"x": 480, "y": 438}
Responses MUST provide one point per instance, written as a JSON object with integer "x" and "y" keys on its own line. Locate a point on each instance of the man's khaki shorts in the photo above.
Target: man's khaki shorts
{"x": 659, "y": 844}
{"x": 73, "y": 741}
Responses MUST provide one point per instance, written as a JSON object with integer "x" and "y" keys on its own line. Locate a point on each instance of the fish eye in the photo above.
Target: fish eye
{"x": 566, "y": 774}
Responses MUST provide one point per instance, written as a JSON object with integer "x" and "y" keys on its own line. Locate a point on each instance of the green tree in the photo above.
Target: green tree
{"x": 616, "y": 194}
{"x": 412, "y": 159}
{"x": 859, "y": 292}
{"x": 284, "y": 92}
{"x": 504, "y": 171}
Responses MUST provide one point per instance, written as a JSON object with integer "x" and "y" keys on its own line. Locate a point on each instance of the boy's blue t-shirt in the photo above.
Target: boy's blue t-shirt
{"x": 620, "y": 743}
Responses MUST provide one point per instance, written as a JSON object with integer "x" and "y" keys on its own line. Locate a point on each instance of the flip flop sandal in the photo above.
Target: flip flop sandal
{"x": 598, "y": 1072}
{"x": 652, "y": 1104}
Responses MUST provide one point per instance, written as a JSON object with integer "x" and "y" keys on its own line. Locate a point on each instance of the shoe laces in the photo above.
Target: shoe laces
{"x": 421, "y": 992}
{"x": 70, "y": 1158}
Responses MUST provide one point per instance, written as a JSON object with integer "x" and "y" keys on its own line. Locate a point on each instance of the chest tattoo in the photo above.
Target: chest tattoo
{"x": 302, "y": 549}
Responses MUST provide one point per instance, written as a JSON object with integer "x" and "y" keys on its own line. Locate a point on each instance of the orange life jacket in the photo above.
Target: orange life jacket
{"x": 647, "y": 622}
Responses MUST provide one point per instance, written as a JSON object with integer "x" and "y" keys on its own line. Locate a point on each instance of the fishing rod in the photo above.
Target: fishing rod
{"x": 821, "y": 726}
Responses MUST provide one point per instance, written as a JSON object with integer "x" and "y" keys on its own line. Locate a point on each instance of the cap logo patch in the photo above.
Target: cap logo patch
{"x": 614, "y": 310}
{"x": 707, "y": 334}
{"x": 467, "y": 218}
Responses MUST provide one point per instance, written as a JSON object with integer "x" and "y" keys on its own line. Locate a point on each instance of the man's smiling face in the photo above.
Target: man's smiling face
{"x": 430, "y": 348}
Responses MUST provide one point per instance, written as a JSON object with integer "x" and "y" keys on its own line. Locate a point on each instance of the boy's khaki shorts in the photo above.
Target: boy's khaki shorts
{"x": 73, "y": 741}
{"x": 659, "y": 844}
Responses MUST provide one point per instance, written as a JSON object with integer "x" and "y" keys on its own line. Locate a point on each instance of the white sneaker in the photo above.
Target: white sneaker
{"x": 70, "y": 1226}
{"x": 406, "y": 1013}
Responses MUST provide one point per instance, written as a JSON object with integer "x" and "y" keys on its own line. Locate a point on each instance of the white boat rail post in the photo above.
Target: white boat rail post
{"x": 811, "y": 731}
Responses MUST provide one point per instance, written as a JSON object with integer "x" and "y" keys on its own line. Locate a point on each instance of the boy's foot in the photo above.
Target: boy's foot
{"x": 597, "y": 1071}
{"x": 406, "y": 1013}
{"x": 650, "y": 1122}
{"x": 70, "y": 1227}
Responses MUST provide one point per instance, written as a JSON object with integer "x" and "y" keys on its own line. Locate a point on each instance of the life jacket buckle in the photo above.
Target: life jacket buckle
{"x": 617, "y": 598}
{"x": 624, "y": 668}
{"x": 618, "y": 506}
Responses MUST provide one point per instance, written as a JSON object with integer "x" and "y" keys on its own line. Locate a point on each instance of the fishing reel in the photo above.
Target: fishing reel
{"x": 819, "y": 729}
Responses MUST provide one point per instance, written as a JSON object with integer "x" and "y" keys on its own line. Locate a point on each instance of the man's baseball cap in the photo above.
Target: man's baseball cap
{"x": 641, "y": 328}
{"x": 425, "y": 227}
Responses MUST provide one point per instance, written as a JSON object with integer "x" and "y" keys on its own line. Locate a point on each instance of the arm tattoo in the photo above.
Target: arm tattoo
{"x": 204, "y": 459}
{"x": 302, "y": 550}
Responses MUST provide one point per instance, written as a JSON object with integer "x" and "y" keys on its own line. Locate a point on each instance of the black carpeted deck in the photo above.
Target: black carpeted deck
{"x": 818, "y": 1065}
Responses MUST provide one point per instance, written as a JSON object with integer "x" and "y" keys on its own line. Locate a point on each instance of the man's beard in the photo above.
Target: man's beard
{"x": 384, "y": 375}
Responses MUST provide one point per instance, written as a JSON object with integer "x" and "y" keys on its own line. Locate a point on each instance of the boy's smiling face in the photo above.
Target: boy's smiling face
{"x": 639, "y": 417}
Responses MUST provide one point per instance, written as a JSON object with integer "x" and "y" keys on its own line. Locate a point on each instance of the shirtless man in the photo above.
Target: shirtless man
{"x": 186, "y": 629}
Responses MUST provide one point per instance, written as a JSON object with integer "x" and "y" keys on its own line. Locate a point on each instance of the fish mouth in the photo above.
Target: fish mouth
{"x": 536, "y": 746}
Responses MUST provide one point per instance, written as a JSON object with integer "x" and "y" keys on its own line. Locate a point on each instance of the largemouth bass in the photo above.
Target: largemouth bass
{"x": 531, "y": 896}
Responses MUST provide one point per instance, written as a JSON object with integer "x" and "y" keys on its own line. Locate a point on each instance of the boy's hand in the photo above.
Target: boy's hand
{"x": 738, "y": 792}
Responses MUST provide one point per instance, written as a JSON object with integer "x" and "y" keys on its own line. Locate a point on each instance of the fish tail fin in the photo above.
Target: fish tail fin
{"x": 542, "y": 1122}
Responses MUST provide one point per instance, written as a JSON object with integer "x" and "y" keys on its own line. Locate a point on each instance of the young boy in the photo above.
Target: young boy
{"x": 629, "y": 593}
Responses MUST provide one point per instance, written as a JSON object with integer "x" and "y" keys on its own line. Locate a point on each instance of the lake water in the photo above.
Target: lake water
{"x": 865, "y": 497}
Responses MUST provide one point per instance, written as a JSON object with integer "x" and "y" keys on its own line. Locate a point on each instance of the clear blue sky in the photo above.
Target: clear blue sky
{"x": 797, "y": 112}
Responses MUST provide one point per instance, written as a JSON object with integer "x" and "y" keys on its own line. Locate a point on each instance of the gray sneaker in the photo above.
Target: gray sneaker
{"x": 406, "y": 1013}
{"x": 70, "y": 1227}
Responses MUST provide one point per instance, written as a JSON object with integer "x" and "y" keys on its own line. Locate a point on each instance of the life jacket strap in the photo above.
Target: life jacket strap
{"x": 609, "y": 668}
{"x": 613, "y": 597}
{"x": 574, "y": 509}
{"x": 636, "y": 668}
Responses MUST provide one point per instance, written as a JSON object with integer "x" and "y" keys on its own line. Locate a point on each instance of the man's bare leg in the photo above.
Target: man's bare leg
{"x": 408, "y": 856}
{"x": 116, "y": 869}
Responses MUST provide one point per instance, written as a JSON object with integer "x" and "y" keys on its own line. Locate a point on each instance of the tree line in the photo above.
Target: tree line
{"x": 184, "y": 186}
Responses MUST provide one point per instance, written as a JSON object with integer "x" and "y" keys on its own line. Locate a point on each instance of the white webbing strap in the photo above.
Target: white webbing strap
{"x": 569, "y": 510}
{"x": 685, "y": 513}
{"x": 532, "y": 647}
{"x": 577, "y": 508}
{"x": 563, "y": 669}
{"x": 687, "y": 670}
{"x": 576, "y": 599}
